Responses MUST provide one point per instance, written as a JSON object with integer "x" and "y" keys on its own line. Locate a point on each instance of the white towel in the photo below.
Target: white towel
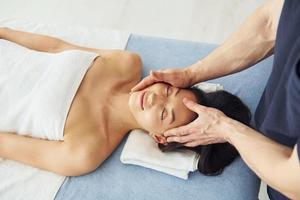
{"x": 18, "y": 181}
{"x": 37, "y": 102}
{"x": 140, "y": 149}
{"x": 209, "y": 87}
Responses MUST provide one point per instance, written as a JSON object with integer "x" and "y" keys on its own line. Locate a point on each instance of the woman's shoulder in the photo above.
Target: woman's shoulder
{"x": 126, "y": 66}
{"x": 126, "y": 62}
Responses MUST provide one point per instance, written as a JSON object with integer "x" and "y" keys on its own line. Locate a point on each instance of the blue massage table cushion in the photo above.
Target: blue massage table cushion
{"x": 116, "y": 181}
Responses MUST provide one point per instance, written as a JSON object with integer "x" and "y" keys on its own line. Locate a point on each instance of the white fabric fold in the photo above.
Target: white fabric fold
{"x": 140, "y": 149}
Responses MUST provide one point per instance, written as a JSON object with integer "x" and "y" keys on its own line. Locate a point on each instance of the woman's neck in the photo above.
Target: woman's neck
{"x": 121, "y": 115}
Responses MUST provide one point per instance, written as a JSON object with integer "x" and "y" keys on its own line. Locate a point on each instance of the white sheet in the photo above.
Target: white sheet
{"x": 18, "y": 181}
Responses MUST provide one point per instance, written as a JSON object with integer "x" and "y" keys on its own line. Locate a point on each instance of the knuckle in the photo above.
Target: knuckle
{"x": 170, "y": 133}
{"x": 216, "y": 111}
{"x": 179, "y": 139}
{"x": 191, "y": 131}
{"x": 185, "y": 132}
{"x": 199, "y": 142}
{"x": 185, "y": 139}
{"x": 193, "y": 144}
{"x": 210, "y": 109}
{"x": 187, "y": 145}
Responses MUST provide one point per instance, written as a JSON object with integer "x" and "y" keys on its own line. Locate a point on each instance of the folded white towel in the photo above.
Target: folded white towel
{"x": 140, "y": 149}
{"x": 209, "y": 87}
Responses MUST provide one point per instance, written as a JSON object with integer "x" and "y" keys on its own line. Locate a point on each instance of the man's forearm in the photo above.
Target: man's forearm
{"x": 253, "y": 41}
{"x": 271, "y": 161}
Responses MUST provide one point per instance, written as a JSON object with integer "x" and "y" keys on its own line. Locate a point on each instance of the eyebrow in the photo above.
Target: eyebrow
{"x": 172, "y": 112}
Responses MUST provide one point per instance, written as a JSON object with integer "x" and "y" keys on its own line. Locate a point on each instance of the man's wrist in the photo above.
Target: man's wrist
{"x": 233, "y": 130}
{"x": 195, "y": 72}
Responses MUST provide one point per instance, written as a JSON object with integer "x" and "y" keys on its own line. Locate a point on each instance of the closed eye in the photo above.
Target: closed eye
{"x": 163, "y": 114}
{"x": 167, "y": 90}
{"x": 164, "y": 111}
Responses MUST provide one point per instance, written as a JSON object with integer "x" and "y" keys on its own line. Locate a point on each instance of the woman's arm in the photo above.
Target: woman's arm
{"x": 62, "y": 157}
{"x": 253, "y": 41}
{"x": 40, "y": 42}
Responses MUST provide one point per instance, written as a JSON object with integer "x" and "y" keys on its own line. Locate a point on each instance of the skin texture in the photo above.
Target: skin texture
{"x": 102, "y": 112}
{"x": 92, "y": 130}
{"x": 252, "y": 41}
{"x": 276, "y": 164}
{"x": 162, "y": 109}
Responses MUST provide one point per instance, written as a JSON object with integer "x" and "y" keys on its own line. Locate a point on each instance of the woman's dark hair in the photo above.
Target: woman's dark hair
{"x": 215, "y": 157}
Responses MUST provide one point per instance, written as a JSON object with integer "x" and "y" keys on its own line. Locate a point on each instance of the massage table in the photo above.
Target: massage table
{"x": 116, "y": 181}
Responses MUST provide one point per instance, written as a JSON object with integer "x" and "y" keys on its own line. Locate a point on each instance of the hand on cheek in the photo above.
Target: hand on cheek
{"x": 207, "y": 128}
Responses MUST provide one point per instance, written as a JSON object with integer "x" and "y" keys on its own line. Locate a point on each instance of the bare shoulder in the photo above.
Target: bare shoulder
{"x": 125, "y": 61}
{"x": 125, "y": 65}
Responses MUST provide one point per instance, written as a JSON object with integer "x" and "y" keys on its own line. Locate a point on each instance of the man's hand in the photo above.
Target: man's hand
{"x": 210, "y": 127}
{"x": 181, "y": 78}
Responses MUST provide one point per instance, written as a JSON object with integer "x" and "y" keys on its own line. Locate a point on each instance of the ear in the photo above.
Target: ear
{"x": 159, "y": 138}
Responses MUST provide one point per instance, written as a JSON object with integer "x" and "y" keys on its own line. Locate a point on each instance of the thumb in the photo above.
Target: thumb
{"x": 197, "y": 108}
{"x": 158, "y": 75}
{"x": 144, "y": 83}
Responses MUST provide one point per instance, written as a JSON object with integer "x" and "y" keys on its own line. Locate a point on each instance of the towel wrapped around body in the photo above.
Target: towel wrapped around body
{"x": 36, "y": 91}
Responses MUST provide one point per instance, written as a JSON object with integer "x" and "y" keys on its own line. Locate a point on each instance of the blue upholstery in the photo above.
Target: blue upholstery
{"x": 113, "y": 180}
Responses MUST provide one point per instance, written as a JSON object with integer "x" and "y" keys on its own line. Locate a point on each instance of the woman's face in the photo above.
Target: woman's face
{"x": 159, "y": 107}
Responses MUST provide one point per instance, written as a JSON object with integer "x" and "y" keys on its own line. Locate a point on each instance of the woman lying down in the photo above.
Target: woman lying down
{"x": 77, "y": 122}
